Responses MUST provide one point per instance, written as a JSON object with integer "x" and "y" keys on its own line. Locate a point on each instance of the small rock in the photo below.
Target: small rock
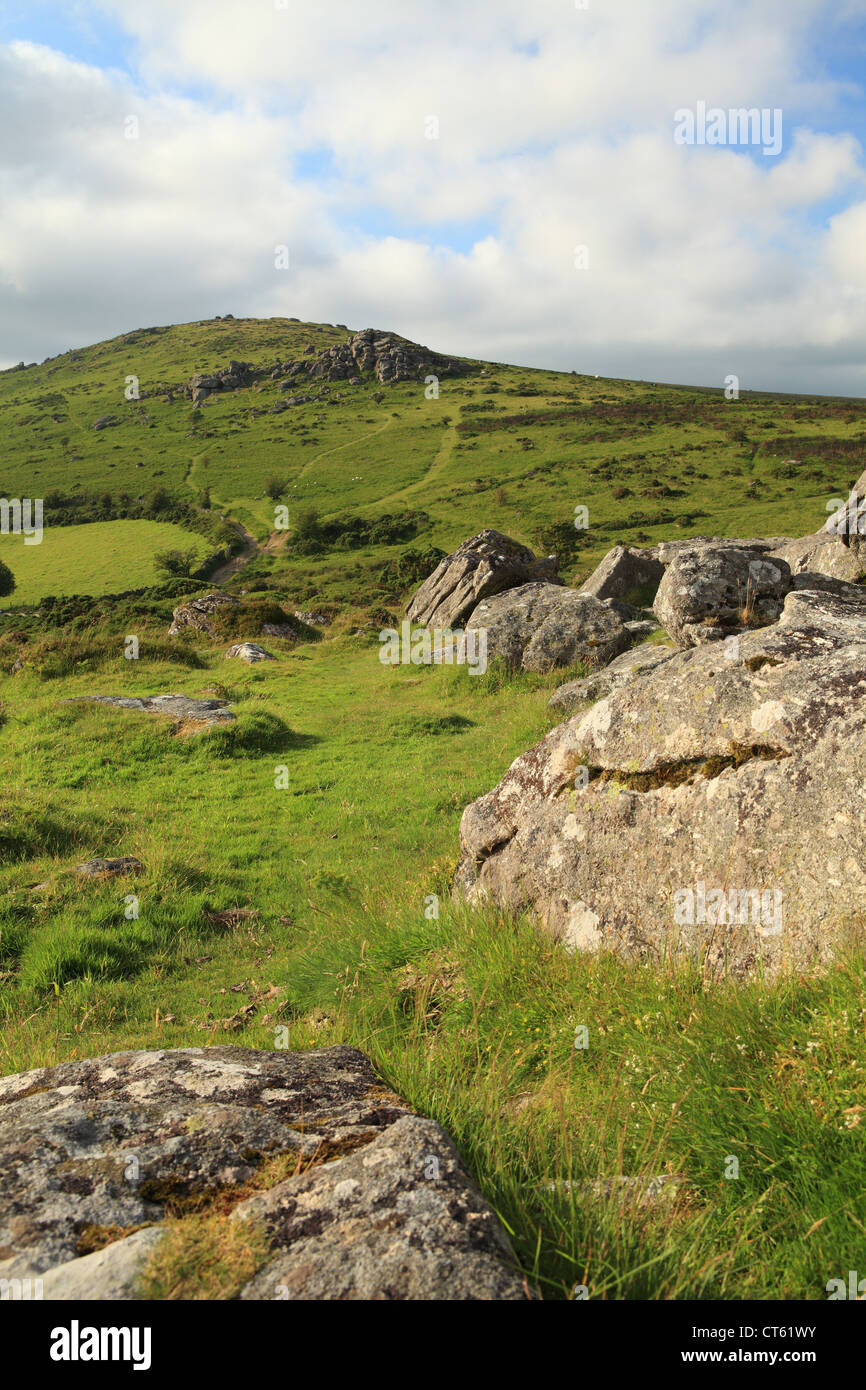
{"x": 249, "y": 652}
{"x": 109, "y": 868}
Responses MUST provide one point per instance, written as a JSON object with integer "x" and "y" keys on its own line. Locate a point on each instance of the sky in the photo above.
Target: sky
{"x": 521, "y": 182}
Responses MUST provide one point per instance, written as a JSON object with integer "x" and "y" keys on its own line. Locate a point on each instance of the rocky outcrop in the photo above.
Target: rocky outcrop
{"x": 386, "y": 356}
{"x": 236, "y": 374}
{"x": 540, "y": 627}
{"x": 713, "y": 808}
{"x": 711, "y": 592}
{"x": 196, "y": 613}
{"x": 181, "y": 708}
{"x": 484, "y": 565}
{"x": 93, "y": 1154}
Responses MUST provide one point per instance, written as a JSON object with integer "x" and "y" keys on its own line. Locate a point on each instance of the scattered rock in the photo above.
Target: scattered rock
{"x": 103, "y": 422}
{"x": 249, "y": 652}
{"x": 196, "y": 613}
{"x": 541, "y": 626}
{"x": 482, "y": 566}
{"x": 380, "y": 1205}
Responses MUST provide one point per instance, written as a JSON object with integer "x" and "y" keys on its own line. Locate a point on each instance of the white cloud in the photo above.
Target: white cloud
{"x": 556, "y": 129}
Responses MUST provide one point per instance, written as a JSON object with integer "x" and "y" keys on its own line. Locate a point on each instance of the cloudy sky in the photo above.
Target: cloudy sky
{"x": 435, "y": 169}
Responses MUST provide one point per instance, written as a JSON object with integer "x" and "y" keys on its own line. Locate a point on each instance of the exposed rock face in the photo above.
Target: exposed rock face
{"x": 388, "y": 357}
{"x": 380, "y": 1206}
{"x": 196, "y": 613}
{"x": 736, "y": 777}
{"x": 711, "y": 592}
{"x": 622, "y": 570}
{"x": 482, "y": 566}
{"x": 177, "y": 707}
{"x": 541, "y": 626}
{"x": 249, "y": 652}
{"x": 622, "y": 671}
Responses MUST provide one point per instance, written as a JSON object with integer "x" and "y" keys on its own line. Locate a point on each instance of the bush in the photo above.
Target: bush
{"x": 410, "y": 568}
{"x": 7, "y": 580}
{"x": 176, "y": 562}
{"x": 275, "y": 487}
{"x": 561, "y": 538}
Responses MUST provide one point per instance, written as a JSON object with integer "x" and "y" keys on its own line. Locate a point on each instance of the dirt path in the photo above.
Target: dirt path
{"x": 250, "y": 548}
{"x": 443, "y": 454}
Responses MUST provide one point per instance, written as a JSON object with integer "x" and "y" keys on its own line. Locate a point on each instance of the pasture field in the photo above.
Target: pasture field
{"x": 101, "y": 558}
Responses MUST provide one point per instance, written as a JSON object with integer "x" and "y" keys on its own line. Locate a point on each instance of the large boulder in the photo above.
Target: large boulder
{"x": 482, "y": 566}
{"x": 622, "y": 571}
{"x": 711, "y": 592}
{"x": 380, "y": 1205}
{"x": 712, "y": 809}
{"x": 539, "y": 627}
{"x": 196, "y": 613}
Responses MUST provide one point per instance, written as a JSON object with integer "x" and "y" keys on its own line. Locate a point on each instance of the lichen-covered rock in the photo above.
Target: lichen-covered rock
{"x": 91, "y": 1150}
{"x": 714, "y": 591}
{"x": 735, "y": 774}
{"x": 625, "y": 668}
{"x": 539, "y": 627}
{"x": 109, "y": 868}
{"x": 821, "y": 554}
{"x": 482, "y": 566}
{"x": 196, "y": 613}
{"x": 623, "y": 570}
{"x": 398, "y": 1219}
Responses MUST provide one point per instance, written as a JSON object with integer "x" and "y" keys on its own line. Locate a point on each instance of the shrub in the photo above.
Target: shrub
{"x": 7, "y": 580}
{"x": 176, "y": 562}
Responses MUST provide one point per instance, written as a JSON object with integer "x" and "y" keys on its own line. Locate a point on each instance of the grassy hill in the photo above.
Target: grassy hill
{"x": 329, "y": 813}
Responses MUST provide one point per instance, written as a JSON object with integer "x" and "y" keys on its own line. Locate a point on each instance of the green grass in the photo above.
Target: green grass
{"x": 471, "y": 1015}
{"x": 100, "y": 558}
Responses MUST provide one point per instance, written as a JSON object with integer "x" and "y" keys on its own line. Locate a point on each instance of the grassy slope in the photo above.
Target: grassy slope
{"x": 96, "y": 559}
{"x": 472, "y": 1017}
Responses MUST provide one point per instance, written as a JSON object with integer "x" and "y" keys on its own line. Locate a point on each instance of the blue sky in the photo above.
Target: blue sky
{"x": 309, "y": 126}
